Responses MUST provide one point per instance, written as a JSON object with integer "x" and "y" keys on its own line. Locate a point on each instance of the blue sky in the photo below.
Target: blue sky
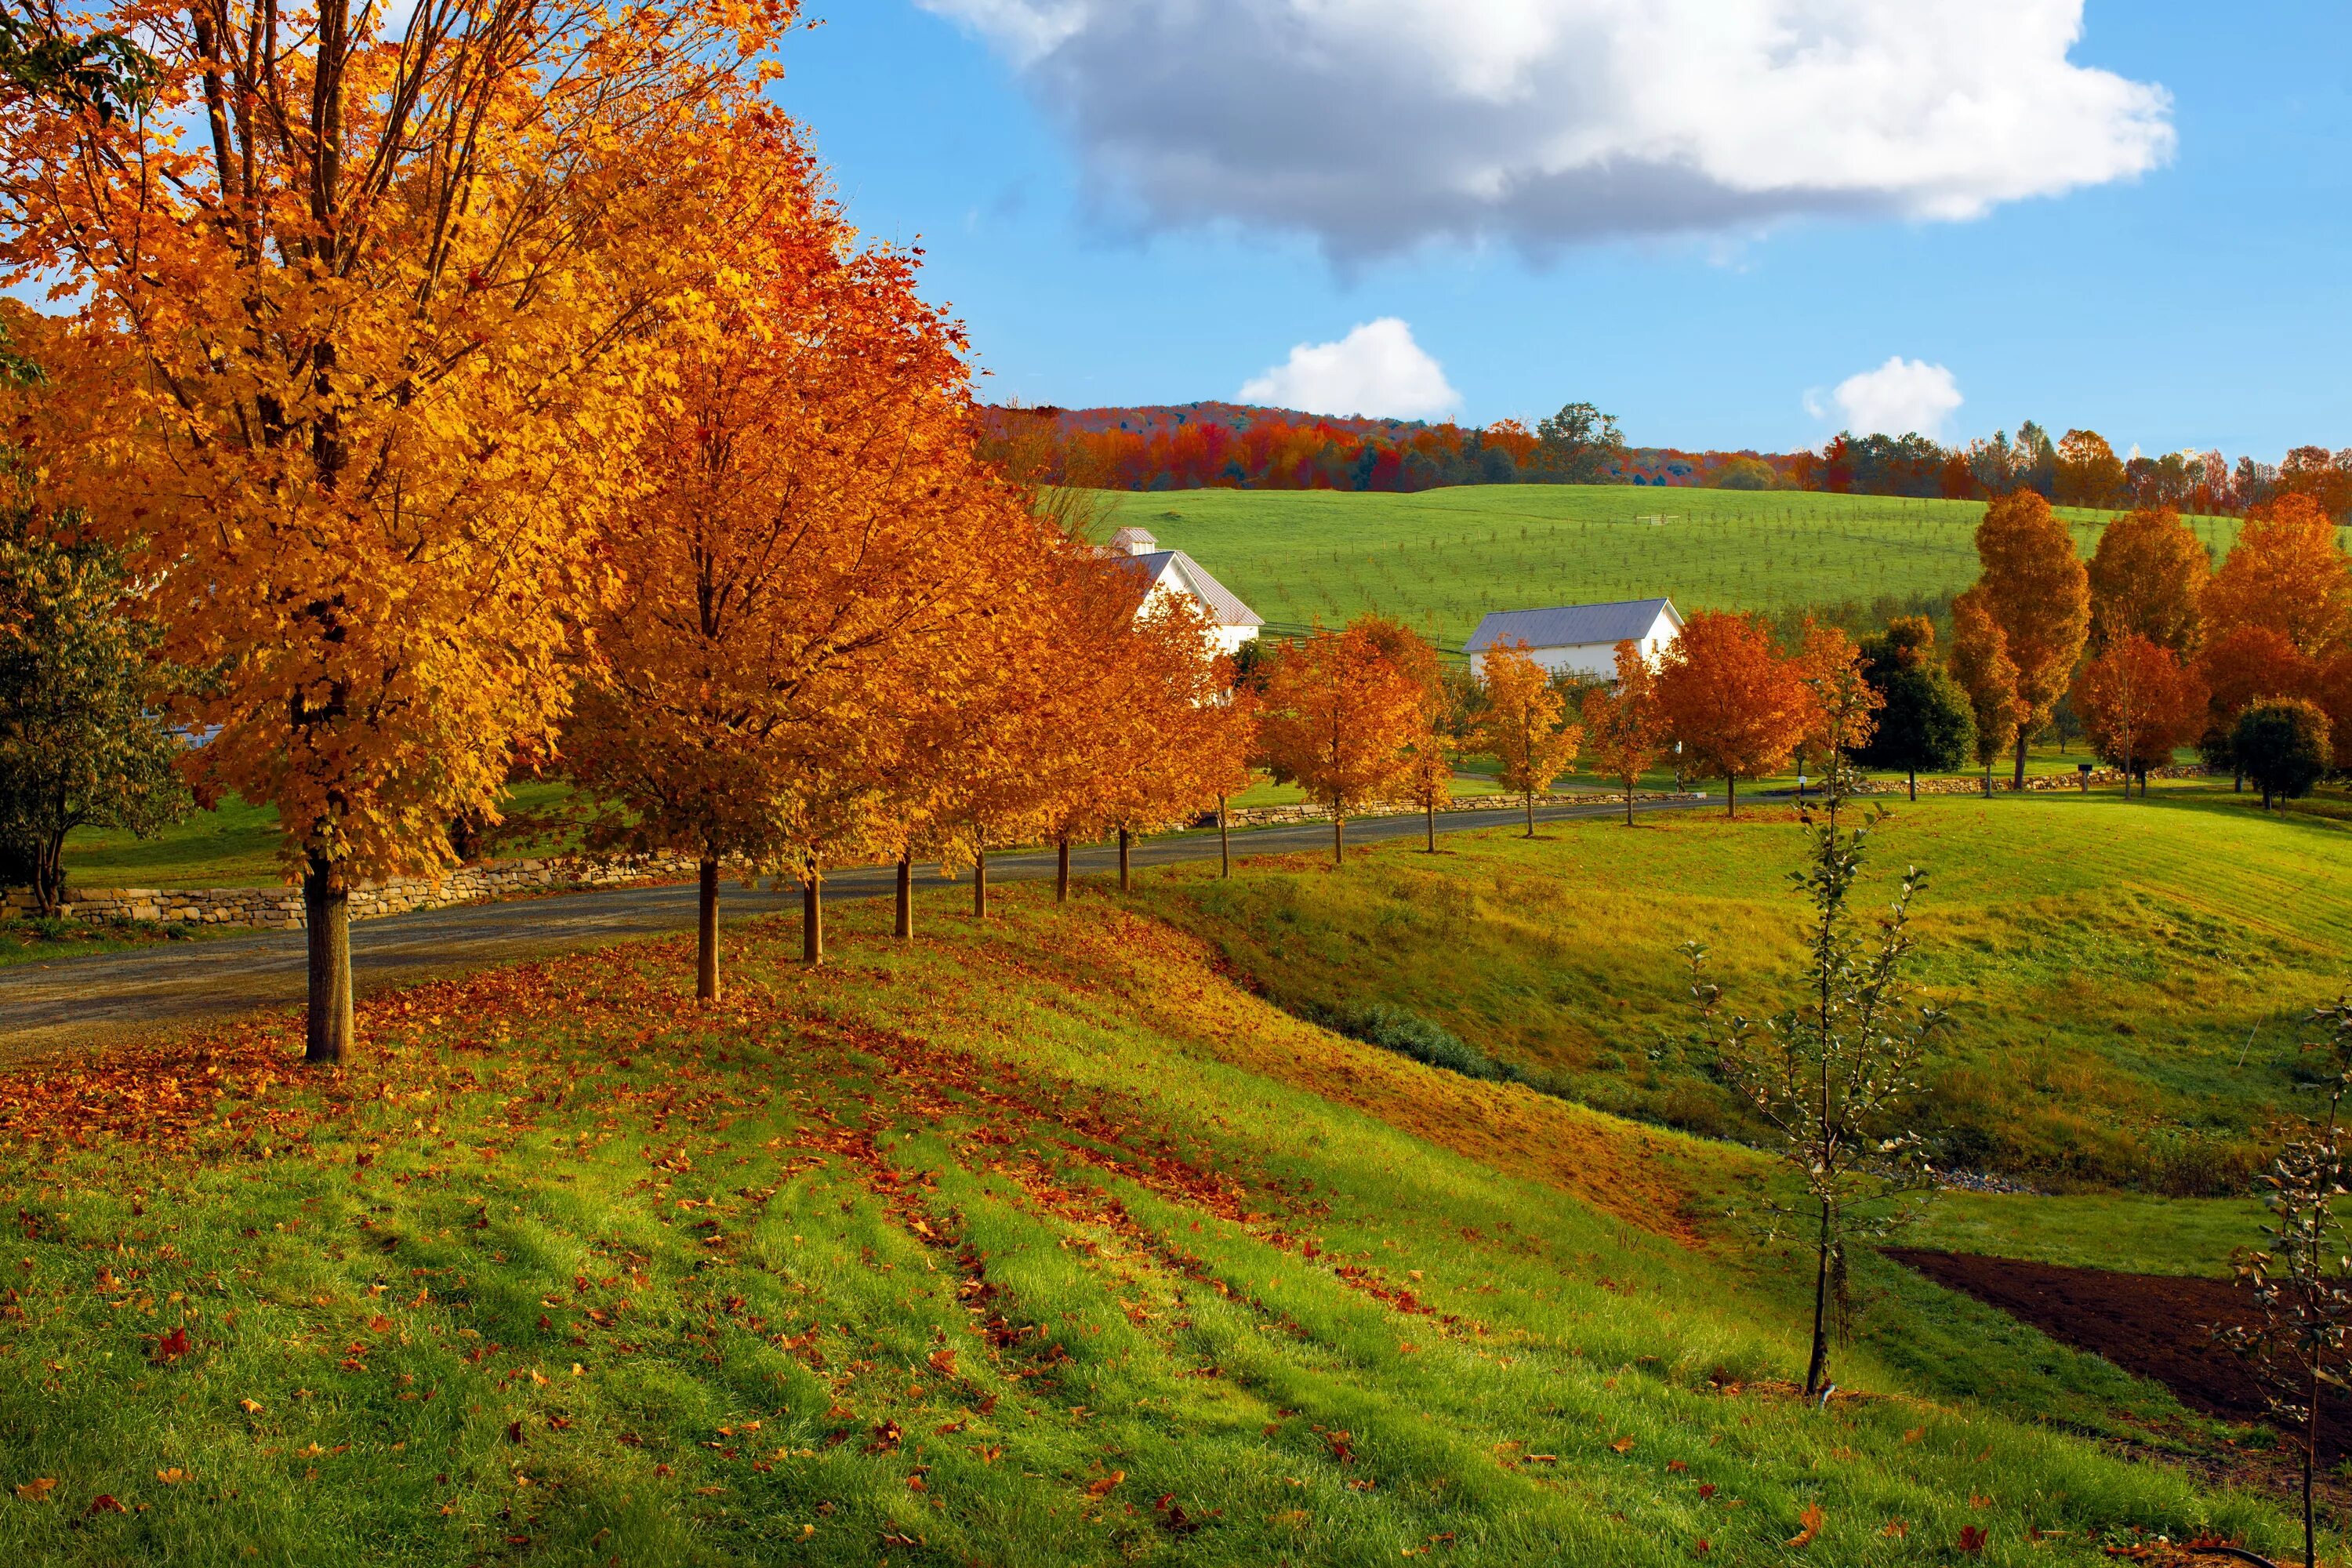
{"x": 2202, "y": 302}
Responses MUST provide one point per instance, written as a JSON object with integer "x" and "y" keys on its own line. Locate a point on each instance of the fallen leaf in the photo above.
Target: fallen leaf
{"x": 1622, "y": 1445}
{"x": 1101, "y": 1488}
{"x": 171, "y": 1346}
{"x": 1895, "y": 1530}
{"x": 1812, "y": 1520}
{"x": 1972, "y": 1540}
{"x": 251, "y": 1406}
{"x": 38, "y": 1490}
{"x": 172, "y": 1476}
{"x": 104, "y": 1503}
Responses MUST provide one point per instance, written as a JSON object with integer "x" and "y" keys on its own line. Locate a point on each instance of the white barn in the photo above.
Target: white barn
{"x": 1578, "y": 638}
{"x": 1166, "y": 572}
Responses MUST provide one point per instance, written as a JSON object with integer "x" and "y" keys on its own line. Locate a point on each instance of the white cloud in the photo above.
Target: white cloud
{"x": 1377, "y": 124}
{"x": 1899, "y": 397}
{"x": 1377, "y": 370}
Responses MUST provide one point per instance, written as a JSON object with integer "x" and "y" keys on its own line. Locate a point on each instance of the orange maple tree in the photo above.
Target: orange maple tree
{"x": 2139, "y": 700}
{"x": 2148, "y": 577}
{"x": 364, "y": 315}
{"x": 1624, "y": 730}
{"x": 2335, "y": 699}
{"x": 2243, "y": 665}
{"x": 1980, "y": 662}
{"x": 815, "y": 566}
{"x": 1738, "y": 707}
{"x": 1524, "y": 724}
{"x": 1340, "y": 719}
{"x": 1845, "y": 704}
{"x": 2036, "y": 589}
{"x": 2285, "y": 573}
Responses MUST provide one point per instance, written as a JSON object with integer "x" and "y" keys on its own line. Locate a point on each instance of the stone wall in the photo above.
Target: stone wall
{"x": 1264, "y": 815}
{"x": 281, "y": 908}
{"x": 2034, "y": 782}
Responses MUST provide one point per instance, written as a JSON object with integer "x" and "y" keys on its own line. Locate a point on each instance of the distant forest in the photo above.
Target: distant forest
{"x": 1231, "y": 445}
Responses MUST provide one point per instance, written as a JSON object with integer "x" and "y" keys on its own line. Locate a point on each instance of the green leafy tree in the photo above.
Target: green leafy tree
{"x": 1925, "y": 723}
{"x": 1578, "y": 446}
{"x": 1834, "y": 1073}
{"x": 80, "y": 742}
{"x": 104, "y": 72}
{"x": 2285, "y": 747}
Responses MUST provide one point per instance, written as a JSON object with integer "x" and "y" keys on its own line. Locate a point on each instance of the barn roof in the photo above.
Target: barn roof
{"x": 1225, "y": 608}
{"x": 1570, "y": 625}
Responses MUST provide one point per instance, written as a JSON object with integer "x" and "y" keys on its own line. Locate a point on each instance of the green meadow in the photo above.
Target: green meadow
{"x": 1061, "y": 1238}
{"x": 1441, "y": 559}
{"x": 2126, "y": 979}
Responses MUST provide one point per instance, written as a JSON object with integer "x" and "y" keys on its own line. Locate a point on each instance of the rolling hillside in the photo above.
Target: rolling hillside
{"x": 1047, "y": 1241}
{"x": 1441, "y": 559}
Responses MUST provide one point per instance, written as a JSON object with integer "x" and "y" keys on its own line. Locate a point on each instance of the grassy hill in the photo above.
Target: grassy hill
{"x": 1442, "y": 558}
{"x": 1053, "y": 1241}
{"x": 2128, "y": 979}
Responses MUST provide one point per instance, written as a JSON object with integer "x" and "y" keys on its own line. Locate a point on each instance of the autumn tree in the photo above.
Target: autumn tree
{"x": 1844, "y": 705}
{"x": 1625, "y": 727}
{"x": 2035, "y": 589}
{"x": 1183, "y": 746}
{"x": 1736, "y": 705}
{"x": 807, "y": 572}
{"x": 2241, "y": 667}
{"x": 2285, "y": 573}
{"x": 2138, "y": 700}
{"x": 1925, "y": 719}
{"x": 2089, "y": 473}
{"x": 364, "y": 318}
{"x": 1981, "y": 664}
{"x": 1340, "y": 720}
{"x": 1523, "y": 721}
{"x": 2147, "y": 577}
{"x": 2335, "y": 700}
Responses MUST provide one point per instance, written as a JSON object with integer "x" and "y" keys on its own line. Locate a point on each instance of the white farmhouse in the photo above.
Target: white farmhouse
{"x": 1166, "y": 572}
{"x": 1578, "y": 638}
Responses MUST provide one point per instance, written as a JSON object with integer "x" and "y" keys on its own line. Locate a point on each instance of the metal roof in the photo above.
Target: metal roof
{"x": 1225, "y": 609}
{"x": 1571, "y": 625}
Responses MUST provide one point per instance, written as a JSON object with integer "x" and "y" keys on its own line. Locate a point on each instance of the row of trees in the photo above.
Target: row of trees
{"x": 502, "y": 391}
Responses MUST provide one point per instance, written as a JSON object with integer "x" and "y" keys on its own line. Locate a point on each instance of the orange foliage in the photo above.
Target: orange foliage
{"x": 1736, "y": 705}
{"x": 2334, "y": 697}
{"x": 1525, "y": 724}
{"x": 2246, "y": 665}
{"x": 1341, "y": 720}
{"x": 1624, "y": 730}
{"x": 2138, "y": 701}
{"x": 1845, "y": 704}
{"x": 1980, "y": 661}
{"x": 2148, "y": 577}
{"x": 2285, "y": 572}
{"x": 2037, "y": 591}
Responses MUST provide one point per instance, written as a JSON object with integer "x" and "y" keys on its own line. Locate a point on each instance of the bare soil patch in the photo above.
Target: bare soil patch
{"x": 2156, "y": 1325}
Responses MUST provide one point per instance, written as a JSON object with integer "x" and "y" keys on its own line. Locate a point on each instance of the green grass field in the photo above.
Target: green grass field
{"x": 2108, "y": 963}
{"x": 1051, "y": 1241}
{"x": 1441, "y": 559}
{"x": 1033, "y": 1244}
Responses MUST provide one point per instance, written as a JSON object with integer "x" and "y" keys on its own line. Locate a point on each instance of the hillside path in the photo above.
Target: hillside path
{"x": 76, "y": 1000}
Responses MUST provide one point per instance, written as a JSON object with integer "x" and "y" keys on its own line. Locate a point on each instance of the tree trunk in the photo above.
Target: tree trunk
{"x": 2310, "y": 1455}
{"x": 1062, "y": 870}
{"x": 905, "y": 930}
{"x": 706, "y": 954}
{"x": 326, "y": 920}
{"x": 1532, "y": 814}
{"x": 812, "y": 917}
{"x": 49, "y": 875}
{"x": 1339, "y": 838}
{"x": 979, "y": 883}
{"x": 2019, "y": 781}
{"x": 1126, "y": 857}
{"x": 1429, "y": 810}
{"x": 1914, "y": 784}
{"x": 1817, "y": 1369}
{"x": 2238, "y": 785}
{"x": 1731, "y": 795}
{"x": 1629, "y": 800}
{"x": 1224, "y": 843}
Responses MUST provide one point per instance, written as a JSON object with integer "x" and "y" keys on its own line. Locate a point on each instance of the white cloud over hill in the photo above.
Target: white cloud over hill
{"x": 1375, "y": 125}
{"x": 1899, "y": 397}
{"x": 1376, "y": 370}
